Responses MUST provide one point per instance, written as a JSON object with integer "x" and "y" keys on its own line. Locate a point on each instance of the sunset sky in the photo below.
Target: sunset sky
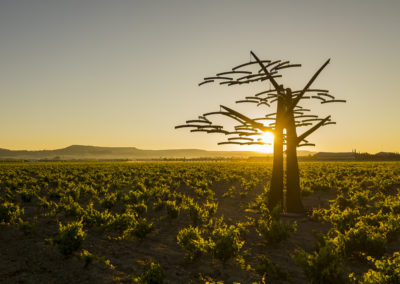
{"x": 124, "y": 73}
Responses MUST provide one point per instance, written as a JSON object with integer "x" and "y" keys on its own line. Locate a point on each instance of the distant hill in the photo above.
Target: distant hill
{"x": 81, "y": 152}
{"x": 94, "y": 152}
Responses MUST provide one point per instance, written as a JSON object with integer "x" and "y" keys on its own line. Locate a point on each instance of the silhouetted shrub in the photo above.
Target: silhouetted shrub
{"x": 70, "y": 237}
{"x": 226, "y": 242}
{"x": 154, "y": 274}
{"x": 9, "y": 212}
{"x": 192, "y": 242}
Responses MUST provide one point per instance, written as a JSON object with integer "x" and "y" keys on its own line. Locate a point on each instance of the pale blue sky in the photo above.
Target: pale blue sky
{"x": 124, "y": 73}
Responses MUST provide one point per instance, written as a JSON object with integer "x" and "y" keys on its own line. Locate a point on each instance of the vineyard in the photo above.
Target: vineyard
{"x": 197, "y": 222}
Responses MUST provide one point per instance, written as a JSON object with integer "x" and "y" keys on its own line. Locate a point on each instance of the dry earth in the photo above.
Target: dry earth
{"x": 25, "y": 257}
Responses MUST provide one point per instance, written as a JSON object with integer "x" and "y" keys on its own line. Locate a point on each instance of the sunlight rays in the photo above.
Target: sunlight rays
{"x": 267, "y": 137}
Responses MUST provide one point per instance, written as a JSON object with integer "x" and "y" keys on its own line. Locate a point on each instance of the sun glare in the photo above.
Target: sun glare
{"x": 266, "y": 137}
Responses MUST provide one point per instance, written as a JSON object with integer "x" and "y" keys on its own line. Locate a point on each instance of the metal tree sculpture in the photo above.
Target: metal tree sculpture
{"x": 288, "y": 116}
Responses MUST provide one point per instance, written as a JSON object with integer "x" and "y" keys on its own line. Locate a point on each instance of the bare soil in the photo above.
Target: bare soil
{"x": 26, "y": 257}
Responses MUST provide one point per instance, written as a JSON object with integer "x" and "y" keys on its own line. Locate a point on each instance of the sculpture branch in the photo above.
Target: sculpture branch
{"x": 312, "y": 129}
{"x": 296, "y": 100}
{"x": 246, "y": 119}
{"x": 271, "y": 79}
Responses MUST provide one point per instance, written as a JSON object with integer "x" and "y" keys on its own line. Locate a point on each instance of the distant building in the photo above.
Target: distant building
{"x": 330, "y": 156}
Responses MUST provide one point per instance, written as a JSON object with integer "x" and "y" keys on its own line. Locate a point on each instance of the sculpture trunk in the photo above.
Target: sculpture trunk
{"x": 293, "y": 194}
{"x": 275, "y": 196}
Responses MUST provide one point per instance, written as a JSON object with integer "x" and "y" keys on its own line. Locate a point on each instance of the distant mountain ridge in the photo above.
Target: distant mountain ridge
{"x": 95, "y": 152}
{"x": 84, "y": 152}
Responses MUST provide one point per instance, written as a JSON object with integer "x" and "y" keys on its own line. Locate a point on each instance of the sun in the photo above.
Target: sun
{"x": 266, "y": 137}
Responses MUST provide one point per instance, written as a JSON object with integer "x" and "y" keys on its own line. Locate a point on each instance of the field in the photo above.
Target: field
{"x": 197, "y": 222}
